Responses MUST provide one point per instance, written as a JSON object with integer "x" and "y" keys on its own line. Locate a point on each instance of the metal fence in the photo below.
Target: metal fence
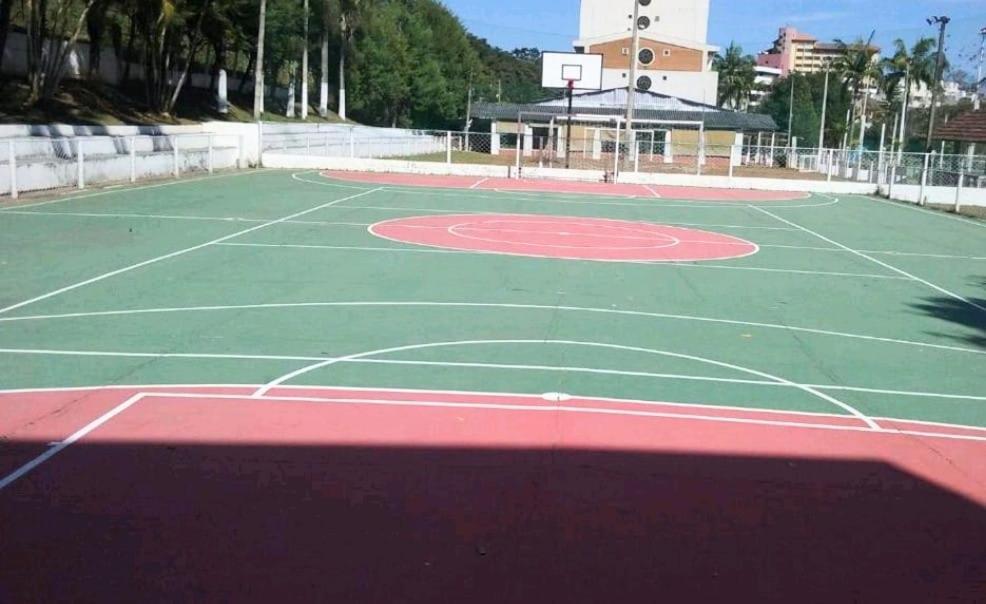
{"x": 46, "y": 163}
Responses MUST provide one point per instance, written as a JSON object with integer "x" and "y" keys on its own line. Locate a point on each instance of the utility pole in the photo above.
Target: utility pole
{"x": 942, "y": 23}
{"x": 258, "y": 76}
{"x": 979, "y": 71}
{"x": 903, "y": 113}
{"x": 790, "y": 114}
{"x": 632, "y": 84}
{"x": 825, "y": 100}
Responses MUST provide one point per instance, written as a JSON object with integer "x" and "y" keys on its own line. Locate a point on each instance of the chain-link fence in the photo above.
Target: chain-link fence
{"x": 46, "y": 163}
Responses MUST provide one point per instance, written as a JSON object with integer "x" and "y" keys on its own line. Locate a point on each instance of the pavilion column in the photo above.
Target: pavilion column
{"x": 494, "y": 139}
{"x": 528, "y": 141}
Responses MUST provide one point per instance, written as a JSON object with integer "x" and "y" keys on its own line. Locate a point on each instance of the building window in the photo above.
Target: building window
{"x": 644, "y": 83}
{"x": 643, "y": 23}
{"x": 646, "y": 56}
{"x": 667, "y": 52}
{"x": 644, "y": 2}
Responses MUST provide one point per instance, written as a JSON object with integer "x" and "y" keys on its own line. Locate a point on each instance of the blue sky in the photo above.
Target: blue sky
{"x": 553, "y": 24}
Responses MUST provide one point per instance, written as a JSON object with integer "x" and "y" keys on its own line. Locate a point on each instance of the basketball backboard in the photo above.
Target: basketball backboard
{"x": 584, "y": 71}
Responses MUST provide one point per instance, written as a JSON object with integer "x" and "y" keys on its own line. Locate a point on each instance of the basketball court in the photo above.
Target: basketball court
{"x": 273, "y": 383}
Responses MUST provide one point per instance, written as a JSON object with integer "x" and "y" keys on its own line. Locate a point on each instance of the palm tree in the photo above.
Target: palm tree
{"x": 903, "y": 70}
{"x": 737, "y": 77}
{"x": 859, "y": 70}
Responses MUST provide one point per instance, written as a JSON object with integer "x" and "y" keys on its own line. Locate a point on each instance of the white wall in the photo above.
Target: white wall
{"x": 938, "y": 195}
{"x": 687, "y": 19}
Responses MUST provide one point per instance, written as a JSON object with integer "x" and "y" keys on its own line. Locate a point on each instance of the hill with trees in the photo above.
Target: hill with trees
{"x": 401, "y": 62}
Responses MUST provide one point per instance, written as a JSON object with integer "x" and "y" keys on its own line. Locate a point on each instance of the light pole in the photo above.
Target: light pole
{"x": 825, "y": 100}
{"x": 979, "y": 70}
{"x": 632, "y": 84}
{"x": 942, "y": 23}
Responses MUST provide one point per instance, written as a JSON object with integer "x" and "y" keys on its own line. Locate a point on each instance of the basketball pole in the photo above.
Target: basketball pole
{"x": 568, "y": 127}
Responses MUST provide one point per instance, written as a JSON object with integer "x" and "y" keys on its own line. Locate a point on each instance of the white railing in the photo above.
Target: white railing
{"x": 46, "y": 163}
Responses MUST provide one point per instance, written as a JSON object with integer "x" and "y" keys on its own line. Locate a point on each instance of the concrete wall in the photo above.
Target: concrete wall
{"x": 938, "y": 195}
{"x": 46, "y": 157}
{"x": 345, "y": 140}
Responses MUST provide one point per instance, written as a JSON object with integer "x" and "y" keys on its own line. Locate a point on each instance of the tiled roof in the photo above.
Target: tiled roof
{"x": 969, "y": 127}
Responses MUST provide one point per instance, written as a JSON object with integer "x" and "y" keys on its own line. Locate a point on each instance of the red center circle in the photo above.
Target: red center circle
{"x": 565, "y": 237}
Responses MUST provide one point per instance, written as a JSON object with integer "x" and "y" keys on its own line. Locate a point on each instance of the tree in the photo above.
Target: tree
{"x": 349, "y": 14}
{"x": 172, "y": 31}
{"x": 858, "y": 68}
{"x": 737, "y": 76}
{"x": 96, "y": 24}
{"x": 808, "y": 97}
{"x": 6, "y": 7}
{"x": 53, "y": 29}
{"x": 258, "y": 78}
{"x": 905, "y": 69}
{"x": 323, "y": 93}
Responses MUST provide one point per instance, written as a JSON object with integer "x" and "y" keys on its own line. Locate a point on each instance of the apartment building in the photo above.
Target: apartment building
{"x": 799, "y": 52}
{"x": 674, "y": 58}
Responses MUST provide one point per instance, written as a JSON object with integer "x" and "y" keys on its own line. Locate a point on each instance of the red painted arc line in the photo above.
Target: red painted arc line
{"x": 564, "y": 237}
{"x": 508, "y": 185}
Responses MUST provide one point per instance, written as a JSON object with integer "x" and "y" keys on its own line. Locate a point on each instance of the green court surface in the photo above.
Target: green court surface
{"x": 852, "y": 306}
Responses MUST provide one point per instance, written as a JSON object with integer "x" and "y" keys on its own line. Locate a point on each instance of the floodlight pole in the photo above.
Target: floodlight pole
{"x": 568, "y": 127}
{"x": 632, "y": 84}
{"x": 825, "y": 102}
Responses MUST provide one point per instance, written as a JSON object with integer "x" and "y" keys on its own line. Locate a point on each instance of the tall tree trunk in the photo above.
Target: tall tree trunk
{"x": 323, "y": 95}
{"x": 342, "y": 68}
{"x": 129, "y": 55}
{"x": 258, "y": 77}
{"x": 246, "y": 72}
{"x": 5, "y": 8}
{"x": 304, "y": 70}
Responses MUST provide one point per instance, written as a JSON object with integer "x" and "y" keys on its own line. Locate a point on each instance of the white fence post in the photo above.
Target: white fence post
{"x": 12, "y": 149}
{"x": 133, "y": 159}
{"x": 893, "y": 179}
{"x": 81, "y": 162}
{"x": 924, "y": 178}
{"x": 616, "y": 152}
{"x": 448, "y": 147}
{"x": 958, "y": 190}
{"x": 174, "y": 147}
{"x": 212, "y": 162}
{"x": 828, "y": 166}
{"x": 732, "y": 154}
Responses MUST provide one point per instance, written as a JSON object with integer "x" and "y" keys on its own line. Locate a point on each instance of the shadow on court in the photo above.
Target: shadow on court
{"x": 349, "y": 524}
{"x": 959, "y": 313}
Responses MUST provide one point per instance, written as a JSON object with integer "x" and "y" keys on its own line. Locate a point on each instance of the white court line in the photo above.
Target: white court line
{"x": 548, "y": 197}
{"x": 472, "y": 365}
{"x": 54, "y": 450}
{"x": 875, "y": 261}
{"x": 57, "y": 448}
{"x": 147, "y": 388}
{"x": 817, "y": 393}
{"x": 655, "y": 263}
{"x": 488, "y": 305}
{"x": 182, "y": 217}
{"x": 366, "y": 224}
{"x": 652, "y": 191}
{"x": 178, "y": 253}
{"x": 129, "y": 189}
{"x": 478, "y": 182}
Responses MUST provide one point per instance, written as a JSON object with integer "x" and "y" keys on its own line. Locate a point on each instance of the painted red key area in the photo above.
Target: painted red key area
{"x": 564, "y": 237}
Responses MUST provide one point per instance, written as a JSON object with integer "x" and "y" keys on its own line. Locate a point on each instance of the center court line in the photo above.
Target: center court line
{"x": 874, "y": 260}
{"x": 180, "y": 252}
{"x": 492, "y": 305}
{"x": 430, "y": 345}
{"x": 493, "y": 366}
{"x": 639, "y": 262}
